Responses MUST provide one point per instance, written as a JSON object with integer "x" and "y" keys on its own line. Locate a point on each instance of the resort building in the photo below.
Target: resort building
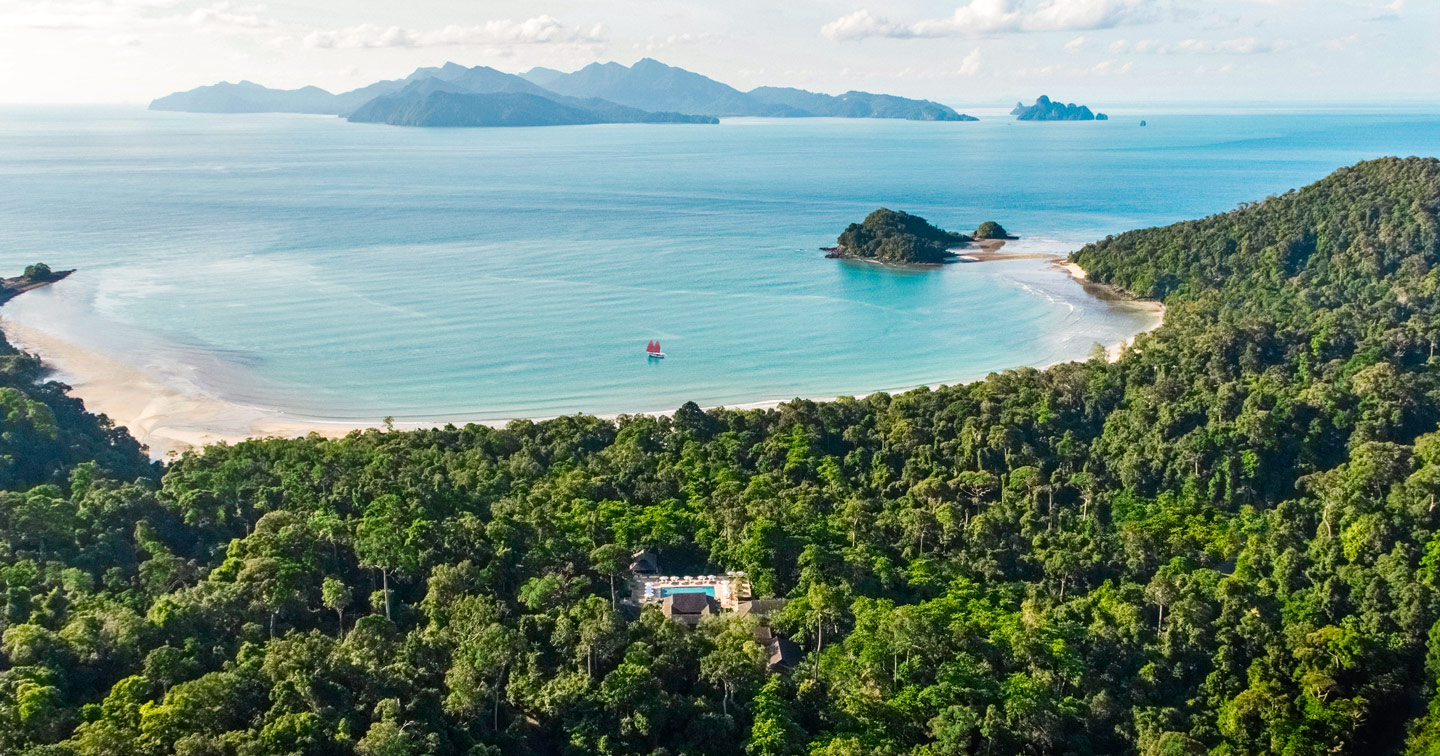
{"x": 689, "y": 608}
{"x": 647, "y": 586}
{"x": 781, "y": 652}
{"x": 689, "y": 599}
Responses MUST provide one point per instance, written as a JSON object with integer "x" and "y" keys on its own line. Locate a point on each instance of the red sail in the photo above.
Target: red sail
{"x": 657, "y": 347}
{"x": 651, "y": 346}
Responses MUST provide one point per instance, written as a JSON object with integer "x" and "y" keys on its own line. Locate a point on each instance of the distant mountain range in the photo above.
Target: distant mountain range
{"x": 1045, "y": 110}
{"x": 430, "y": 102}
{"x": 647, "y": 92}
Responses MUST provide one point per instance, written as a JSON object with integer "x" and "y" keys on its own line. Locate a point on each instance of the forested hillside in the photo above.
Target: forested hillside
{"x": 1225, "y": 542}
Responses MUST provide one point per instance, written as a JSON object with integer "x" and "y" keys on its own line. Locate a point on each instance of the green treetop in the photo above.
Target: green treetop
{"x": 38, "y": 272}
{"x": 991, "y": 230}
{"x": 891, "y": 236}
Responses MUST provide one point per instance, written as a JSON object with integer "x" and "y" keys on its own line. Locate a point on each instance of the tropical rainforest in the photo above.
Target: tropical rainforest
{"x": 1223, "y": 542}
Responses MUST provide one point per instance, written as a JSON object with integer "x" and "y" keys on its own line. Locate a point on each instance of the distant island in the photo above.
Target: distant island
{"x": 647, "y": 92}
{"x": 895, "y": 237}
{"x": 1046, "y": 110}
{"x": 421, "y": 105}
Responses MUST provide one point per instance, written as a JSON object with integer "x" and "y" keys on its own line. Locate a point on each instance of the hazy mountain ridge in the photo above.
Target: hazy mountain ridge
{"x": 855, "y": 104}
{"x": 439, "y": 103}
{"x": 651, "y": 85}
{"x": 249, "y": 97}
{"x": 647, "y": 92}
{"x": 441, "y": 107}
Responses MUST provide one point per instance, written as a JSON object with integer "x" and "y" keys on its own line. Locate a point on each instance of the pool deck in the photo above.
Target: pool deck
{"x": 728, "y": 589}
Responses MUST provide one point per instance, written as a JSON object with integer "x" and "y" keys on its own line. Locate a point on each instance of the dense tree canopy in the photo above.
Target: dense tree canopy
{"x": 991, "y": 230}
{"x": 1226, "y": 542}
{"x": 892, "y": 236}
{"x": 38, "y": 272}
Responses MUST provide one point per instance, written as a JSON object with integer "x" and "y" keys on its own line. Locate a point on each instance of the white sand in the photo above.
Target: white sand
{"x": 1075, "y": 271}
{"x": 1157, "y": 312}
{"x": 1154, "y": 309}
{"x": 162, "y": 417}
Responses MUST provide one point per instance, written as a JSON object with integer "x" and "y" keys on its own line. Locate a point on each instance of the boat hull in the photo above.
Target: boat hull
{"x": 656, "y": 355}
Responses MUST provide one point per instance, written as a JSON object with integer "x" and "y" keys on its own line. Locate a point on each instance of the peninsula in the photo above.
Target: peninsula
{"x": 1046, "y": 110}
{"x": 34, "y": 277}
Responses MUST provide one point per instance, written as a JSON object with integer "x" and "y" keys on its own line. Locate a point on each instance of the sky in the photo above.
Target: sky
{"x": 962, "y": 52}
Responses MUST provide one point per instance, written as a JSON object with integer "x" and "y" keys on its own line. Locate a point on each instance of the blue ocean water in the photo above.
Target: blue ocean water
{"x": 348, "y": 271}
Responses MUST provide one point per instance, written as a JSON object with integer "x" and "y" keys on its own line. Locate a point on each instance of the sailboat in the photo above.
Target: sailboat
{"x": 652, "y": 350}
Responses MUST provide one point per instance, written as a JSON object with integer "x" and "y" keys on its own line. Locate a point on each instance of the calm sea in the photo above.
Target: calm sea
{"x": 352, "y": 271}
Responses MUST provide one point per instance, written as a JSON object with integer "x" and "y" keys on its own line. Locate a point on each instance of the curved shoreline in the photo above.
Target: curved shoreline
{"x": 1152, "y": 307}
{"x": 170, "y": 420}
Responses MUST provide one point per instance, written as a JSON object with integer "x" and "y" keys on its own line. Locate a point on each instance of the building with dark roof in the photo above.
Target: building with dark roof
{"x": 760, "y": 607}
{"x": 689, "y": 608}
{"x": 644, "y": 563}
{"x": 781, "y": 653}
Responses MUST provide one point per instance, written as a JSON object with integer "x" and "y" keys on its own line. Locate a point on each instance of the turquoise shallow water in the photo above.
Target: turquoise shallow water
{"x": 352, "y": 271}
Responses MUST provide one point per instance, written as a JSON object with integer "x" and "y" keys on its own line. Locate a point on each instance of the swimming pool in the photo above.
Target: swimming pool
{"x": 708, "y": 590}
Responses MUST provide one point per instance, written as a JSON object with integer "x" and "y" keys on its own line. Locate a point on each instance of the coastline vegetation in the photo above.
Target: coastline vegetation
{"x": 897, "y": 237}
{"x": 1224, "y": 542}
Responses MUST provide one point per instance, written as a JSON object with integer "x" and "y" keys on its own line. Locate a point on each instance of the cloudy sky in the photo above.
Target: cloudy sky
{"x": 963, "y": 52}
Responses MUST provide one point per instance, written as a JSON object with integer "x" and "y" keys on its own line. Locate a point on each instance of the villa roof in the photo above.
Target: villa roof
{"x": 782, "y": 653}
{"x": 760, "y": 607}
{"x": 689, "y": 607}
{"x": 644, "y": 562}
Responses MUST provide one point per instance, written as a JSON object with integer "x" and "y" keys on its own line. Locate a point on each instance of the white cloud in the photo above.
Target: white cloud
{"x": 532, "y": 31}
{"x": 971, "y": 64}
{"x": 1109, "y": 67}
{"x": 118, "y": 16}
{"x": 1389, "y": 11}
{"x": 1340, "y": 43}
{"x": 654, "y": 43}
{"x": 1237, "y": 46}
{"x": 859, "y": 25}
{"x": 1077, "y": 44}
{"x": 1089, "y": 14}
{"x": 980, "y": 17}
{"x": 227, "y": 15}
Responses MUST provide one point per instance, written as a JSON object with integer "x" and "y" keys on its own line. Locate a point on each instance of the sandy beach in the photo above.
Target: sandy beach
{"x": 166, "y": 419}
{"x": 988, "y": 250}
{"x": 1153, "y": 309}
{"x": 172, "y": 420}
